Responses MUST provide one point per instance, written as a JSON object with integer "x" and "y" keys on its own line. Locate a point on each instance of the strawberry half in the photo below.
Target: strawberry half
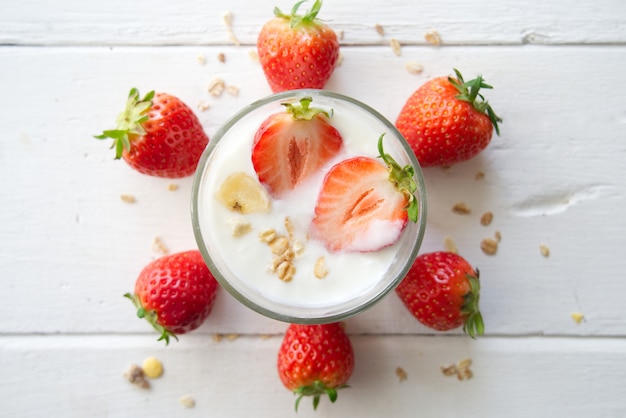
{"x": 364, "y": 204}
{"x": 291, "y": 146}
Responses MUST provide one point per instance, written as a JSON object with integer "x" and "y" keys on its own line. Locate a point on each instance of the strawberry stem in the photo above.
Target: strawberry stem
{"x": 474, "y": 324}
{"x": 469, "y": 92}
{"x": 129, "y": 122}
{"x": 402, "y": 178}
{"x": 303, "y": 111}
{"x": 152, "y": 318}
{"x": 295, "y": 19}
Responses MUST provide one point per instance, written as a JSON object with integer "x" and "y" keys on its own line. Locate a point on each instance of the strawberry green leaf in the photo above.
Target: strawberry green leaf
{"x": 474, "y": 324}
{"x": 152, "y": 318}
{"x": 402, "y": 178}
{"x": 469, "y": 92}
{"x": 316, "y": 389}
{"x": 309, "y": 18}
{"x": 129, "y": 122}
{"x": 303, "y": 111}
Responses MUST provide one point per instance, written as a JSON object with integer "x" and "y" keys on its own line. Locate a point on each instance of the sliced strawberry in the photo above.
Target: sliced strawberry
{"x": 289, "y": 147}
{"x": 364, "y": 204}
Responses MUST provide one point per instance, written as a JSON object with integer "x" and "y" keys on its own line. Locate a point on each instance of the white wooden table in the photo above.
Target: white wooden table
{"x": 70, "y": 247}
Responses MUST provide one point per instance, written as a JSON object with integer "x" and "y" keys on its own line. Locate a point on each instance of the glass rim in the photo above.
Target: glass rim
{"x": 206, "y": 254}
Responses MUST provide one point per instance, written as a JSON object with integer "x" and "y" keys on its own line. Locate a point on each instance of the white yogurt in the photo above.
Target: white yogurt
{"x": 244, "y": 260}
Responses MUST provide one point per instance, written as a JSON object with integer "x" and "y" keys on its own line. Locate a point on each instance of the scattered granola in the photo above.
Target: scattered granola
{"x": 479, "y": 175}
{"x": 379, "y": 29}
{"x": 449, "y": 245}
{"x": 203, "y": 106}
{"x": 232, "y": 90}
{"x": 158, "y": 246}
{"x": 461, "y": 208}
{"x": 449, "y": 370}
{"x": 228, "y": 21}
{"x": 254, "y": 55}
{"x": 216, "y": 87}
{"x": 128, "y": 198}
{"x": 395, "y": 46}
{"x": 489, "y": 246}
{"x": 414, "y": 67}
{"x": 152, "y": 368}
{"x": 433, "y": 37}
{"x": 187, "y": 401}
{"x": 136, "y": 376}
{"x": 402, "y": 375}
{"x": 319, "y": 270}
{"x": 498, "y": 236}
{"x": 201, "y": 59}
{"x": 172, "y": 187}
{"x": 578, "y": 317}
{"x": 218, "y": 337}
{"x": 544, "y": 250}
{"x": 232, "y": 337}
{"x": 486, "y": 218}
{"x": 461, "y": 369}
{"x": 221, "y": 57}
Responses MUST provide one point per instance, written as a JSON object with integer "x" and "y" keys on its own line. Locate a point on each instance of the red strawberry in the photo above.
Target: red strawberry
{"x": 175, "y": 293}
{"x": 315, "y": 359}
{"x": 297, "y": 51}
{"x": 158, "y": 135}
{"x": 447, "y": 120}
{"x": 442, "y": 291}
{"x": 291, "y": 146}
{"x": 364, "y": 204}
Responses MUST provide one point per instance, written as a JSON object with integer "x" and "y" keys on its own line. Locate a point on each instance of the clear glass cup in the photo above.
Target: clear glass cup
{"x": 310, "y": 300}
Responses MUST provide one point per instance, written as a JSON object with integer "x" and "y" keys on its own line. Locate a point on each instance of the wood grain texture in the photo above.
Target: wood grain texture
{"x": 77, "y": 376}
{"x": 196, "y": 22}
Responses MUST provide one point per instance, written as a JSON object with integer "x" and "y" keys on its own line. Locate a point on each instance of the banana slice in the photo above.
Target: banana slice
{"x": 242, "y": 193}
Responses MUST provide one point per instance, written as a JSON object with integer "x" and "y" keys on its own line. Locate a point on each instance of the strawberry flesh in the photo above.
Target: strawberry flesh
{"x": 358, "y": 209}
{"x": 286, "y": 151}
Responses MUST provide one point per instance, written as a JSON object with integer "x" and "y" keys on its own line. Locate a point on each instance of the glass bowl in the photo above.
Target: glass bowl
{"x": 356, "y": 281}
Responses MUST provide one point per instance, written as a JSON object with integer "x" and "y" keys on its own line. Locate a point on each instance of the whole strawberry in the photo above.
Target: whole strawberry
{"x": 447, "y": 120}
{"x": 314, "y": 360}
{"x": 158, "y": 135}
{"x": 297, "y": 51}
{"x": 442, "y": 291}
{"x": 175, "y": 293}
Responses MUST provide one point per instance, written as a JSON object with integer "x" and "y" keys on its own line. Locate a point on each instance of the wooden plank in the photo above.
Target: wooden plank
{"x": 71, "y": 247}
{"x": 196, "y": 22}
{"x": 542, "y": 377}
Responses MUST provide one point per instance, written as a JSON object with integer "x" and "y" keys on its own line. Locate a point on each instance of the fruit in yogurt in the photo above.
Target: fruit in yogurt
{"x": 447, "y": 120}
{"x": 442, "y": 291}
{"x": 242, "y": 193}
{"x": 364, "y": 204}
{"x": 291, "y": 146}
{"x": 175, "y": 293}
{"x": 297, "y": 51}
{"x": 158, "y": 135}
{"x": 314, "y": 360}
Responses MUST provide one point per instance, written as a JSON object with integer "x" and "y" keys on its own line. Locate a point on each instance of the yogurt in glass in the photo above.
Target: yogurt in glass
{"x": 325, "y": 286}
